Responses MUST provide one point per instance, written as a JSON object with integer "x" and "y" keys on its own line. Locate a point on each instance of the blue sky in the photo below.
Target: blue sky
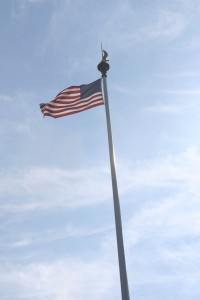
{"x": 57, "y": 222}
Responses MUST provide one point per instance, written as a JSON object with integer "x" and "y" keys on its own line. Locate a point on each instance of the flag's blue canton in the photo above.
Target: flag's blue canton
{"x": 87, "y": 90}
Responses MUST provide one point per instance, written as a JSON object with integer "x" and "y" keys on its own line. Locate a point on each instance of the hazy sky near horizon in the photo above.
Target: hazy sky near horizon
{"x": 57, "y": 223}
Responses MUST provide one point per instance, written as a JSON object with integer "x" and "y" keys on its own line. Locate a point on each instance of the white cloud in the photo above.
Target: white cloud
{"x": 182, "y": 92}
{"x": 123, "y": 90}
{"x": 54, "y": 187}
{"x": 162, "y": 23}
{"x": 64, "y": 17}
{"x": 119, "y": 27}
{"x": 167, "y": 25}
{"x": 185, "y": 73}
{"x": 22, "y": 239}
{"x": 73, "y": 188}
{"x": 171, "y": 170}
{"x": 173, "y": 215}
{"x": 5, "y": 98}
{"x": 154, "y": 226}
{"x": 64, "y": 279}
{"x": 175, "y": 107}
{"x": 10, "y": 127}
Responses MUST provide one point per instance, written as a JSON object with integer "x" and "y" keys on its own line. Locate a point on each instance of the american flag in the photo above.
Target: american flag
{"x": 74, "y": 99}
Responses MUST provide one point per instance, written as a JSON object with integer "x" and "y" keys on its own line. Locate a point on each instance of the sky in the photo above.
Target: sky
{"x": 57, "y": 223}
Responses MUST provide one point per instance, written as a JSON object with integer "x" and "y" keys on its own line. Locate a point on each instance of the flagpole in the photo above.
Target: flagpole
{"x": 103, "y": 67}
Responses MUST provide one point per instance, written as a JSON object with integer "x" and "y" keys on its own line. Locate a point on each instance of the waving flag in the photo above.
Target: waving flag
{"x": 74, "y": 99}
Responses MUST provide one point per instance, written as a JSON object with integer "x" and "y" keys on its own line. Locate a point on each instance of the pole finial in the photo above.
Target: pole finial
{"x": 103, "y": 66}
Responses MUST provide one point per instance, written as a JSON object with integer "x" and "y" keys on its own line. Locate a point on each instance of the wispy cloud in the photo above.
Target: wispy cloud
{"x": 5, "y": 98}
{"x": 167, "y": 25}
{"x": 20, "y": 6}
{"x": 59, "y": 29}
{"x": 59, "y": 187}
{"x": 177, "y": 74}
{"x": 149, "y": 232}
{"x": 63, "y": 279}
{"x": 14, "y": 106}
{"x": 8, "y": 127}
{"x": 54, "y": 186}
{"x": 123, "y": 90}
{"x": 181, "y": 169}
{"x": 182, "y": 92}
{"x": 162, "y": 23}
{"x": 175, "y": 108}
{"x": 43, "y": 237}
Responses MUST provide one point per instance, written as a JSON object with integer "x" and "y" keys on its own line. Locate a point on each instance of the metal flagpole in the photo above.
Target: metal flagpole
{"x": 103, "y": 67}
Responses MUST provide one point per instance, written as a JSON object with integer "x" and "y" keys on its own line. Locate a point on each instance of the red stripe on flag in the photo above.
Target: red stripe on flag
{"x": 55, "y": 110}
{"x": 73, "y": 112}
